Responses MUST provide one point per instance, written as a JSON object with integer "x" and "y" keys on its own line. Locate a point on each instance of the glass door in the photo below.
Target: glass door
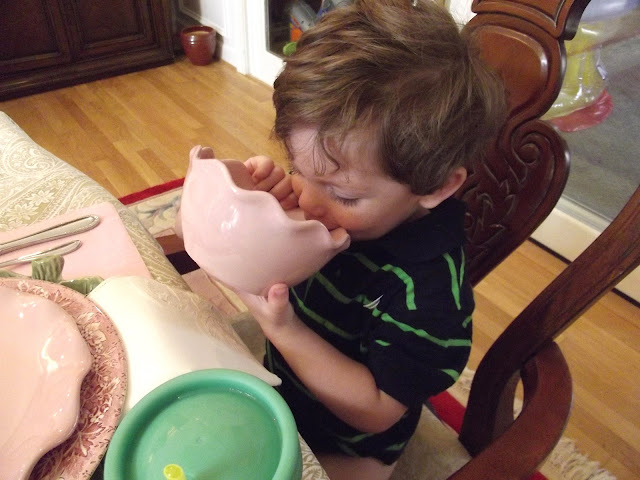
{"x": 598, "y": 113}
{"x": 599, "y": 101}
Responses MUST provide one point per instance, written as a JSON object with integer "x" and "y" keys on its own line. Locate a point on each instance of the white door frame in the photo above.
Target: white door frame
{"x": 262, "y": 64}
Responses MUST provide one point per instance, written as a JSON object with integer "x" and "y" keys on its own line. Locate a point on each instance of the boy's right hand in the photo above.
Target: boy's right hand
{"x": 272, "y": 178}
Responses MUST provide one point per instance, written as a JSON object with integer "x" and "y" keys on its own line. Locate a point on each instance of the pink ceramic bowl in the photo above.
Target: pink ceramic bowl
{"x": 243, "y": 237}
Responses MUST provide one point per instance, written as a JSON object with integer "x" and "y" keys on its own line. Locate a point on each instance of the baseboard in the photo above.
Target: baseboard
{"x": 570, "y": 229}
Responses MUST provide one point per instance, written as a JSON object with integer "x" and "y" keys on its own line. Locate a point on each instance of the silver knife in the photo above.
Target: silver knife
{"x": 59, "y": 250}
{"x": 71, "y": 227}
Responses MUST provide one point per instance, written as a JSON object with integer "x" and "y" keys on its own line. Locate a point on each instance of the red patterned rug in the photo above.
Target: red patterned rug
{"x": 156, "y": 208}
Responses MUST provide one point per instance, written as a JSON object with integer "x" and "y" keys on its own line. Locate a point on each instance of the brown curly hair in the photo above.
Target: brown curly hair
{"x": 401, "y": 70}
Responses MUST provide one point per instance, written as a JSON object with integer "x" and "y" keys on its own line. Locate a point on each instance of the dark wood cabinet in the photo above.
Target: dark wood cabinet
{"x": 47, "y": 44}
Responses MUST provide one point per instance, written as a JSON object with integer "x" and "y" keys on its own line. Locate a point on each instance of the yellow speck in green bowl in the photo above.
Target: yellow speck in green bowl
{"x": 174, "y": 472}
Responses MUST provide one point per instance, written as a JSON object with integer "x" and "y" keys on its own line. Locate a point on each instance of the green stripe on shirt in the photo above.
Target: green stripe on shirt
{"x": 455, "y": 285}
{"x": 449, "y": 342}
{"x": 323, "y": 321}
{"x": 398, "y": 272}
{"x": 409, "y": 285}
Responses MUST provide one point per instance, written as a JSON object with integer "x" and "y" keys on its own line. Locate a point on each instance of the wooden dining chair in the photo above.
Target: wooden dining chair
{"x": 509, "y": 192}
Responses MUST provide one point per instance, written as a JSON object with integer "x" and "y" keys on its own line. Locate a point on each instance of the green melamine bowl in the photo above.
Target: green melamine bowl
{"x": 215, "y": 424}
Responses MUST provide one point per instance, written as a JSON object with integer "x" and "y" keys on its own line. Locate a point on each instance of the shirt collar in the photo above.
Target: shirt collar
{"x": 425, "y": 238}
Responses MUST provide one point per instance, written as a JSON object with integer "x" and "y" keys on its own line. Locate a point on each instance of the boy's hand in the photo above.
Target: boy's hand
{"x": 274, "y": 313}
{"x": 344, "y": 386}
{"x": 272, "y": 178}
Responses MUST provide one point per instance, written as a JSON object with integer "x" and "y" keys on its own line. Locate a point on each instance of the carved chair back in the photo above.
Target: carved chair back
{"x": 514, "y": 188}
{"x": 509, "y": 193}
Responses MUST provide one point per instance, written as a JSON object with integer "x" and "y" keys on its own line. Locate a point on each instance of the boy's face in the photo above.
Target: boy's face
{"x": 357, "y": 196}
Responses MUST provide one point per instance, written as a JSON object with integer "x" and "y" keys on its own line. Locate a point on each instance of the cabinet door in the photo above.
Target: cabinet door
{"x": 47, "y": 44}
{"x": 101, "y": 27}
{"x": 31, "y": 35}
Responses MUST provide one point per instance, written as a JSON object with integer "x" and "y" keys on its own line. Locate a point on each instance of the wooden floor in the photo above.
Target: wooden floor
{"x": 135, "y": 131}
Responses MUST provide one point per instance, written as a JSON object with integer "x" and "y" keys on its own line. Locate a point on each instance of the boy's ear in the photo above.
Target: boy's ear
{"x": 451, "y": 185}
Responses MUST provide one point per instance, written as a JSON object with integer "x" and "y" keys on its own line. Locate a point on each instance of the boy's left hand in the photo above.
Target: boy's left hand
{"x": 272, "y": 178}
{"x": 343, "y": 385}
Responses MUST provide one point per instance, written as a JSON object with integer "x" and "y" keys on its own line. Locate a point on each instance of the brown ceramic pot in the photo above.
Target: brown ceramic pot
{"x": 198, "y": 43}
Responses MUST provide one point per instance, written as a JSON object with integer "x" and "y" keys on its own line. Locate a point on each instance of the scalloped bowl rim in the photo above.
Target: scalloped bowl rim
{"x": 251, "y": 197}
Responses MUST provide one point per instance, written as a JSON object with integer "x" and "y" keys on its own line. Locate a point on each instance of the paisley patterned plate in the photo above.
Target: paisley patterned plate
{"x": 103, "y": 390}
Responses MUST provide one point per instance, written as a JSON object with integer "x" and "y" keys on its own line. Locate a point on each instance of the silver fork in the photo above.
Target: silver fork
{"x": 58, "y": 250}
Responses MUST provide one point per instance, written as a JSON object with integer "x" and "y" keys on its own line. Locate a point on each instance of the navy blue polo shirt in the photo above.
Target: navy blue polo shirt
{"x": 401, "y": 305}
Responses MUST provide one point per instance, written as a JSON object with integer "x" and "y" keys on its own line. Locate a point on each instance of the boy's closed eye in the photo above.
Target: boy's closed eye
{"x": 349, "y": 202}
{"x": 345, "y": 200}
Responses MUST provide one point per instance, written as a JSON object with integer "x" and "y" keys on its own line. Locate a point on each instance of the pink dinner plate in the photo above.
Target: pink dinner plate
{"x": 44, "y": 361}
{"x": 103, "y": 390}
